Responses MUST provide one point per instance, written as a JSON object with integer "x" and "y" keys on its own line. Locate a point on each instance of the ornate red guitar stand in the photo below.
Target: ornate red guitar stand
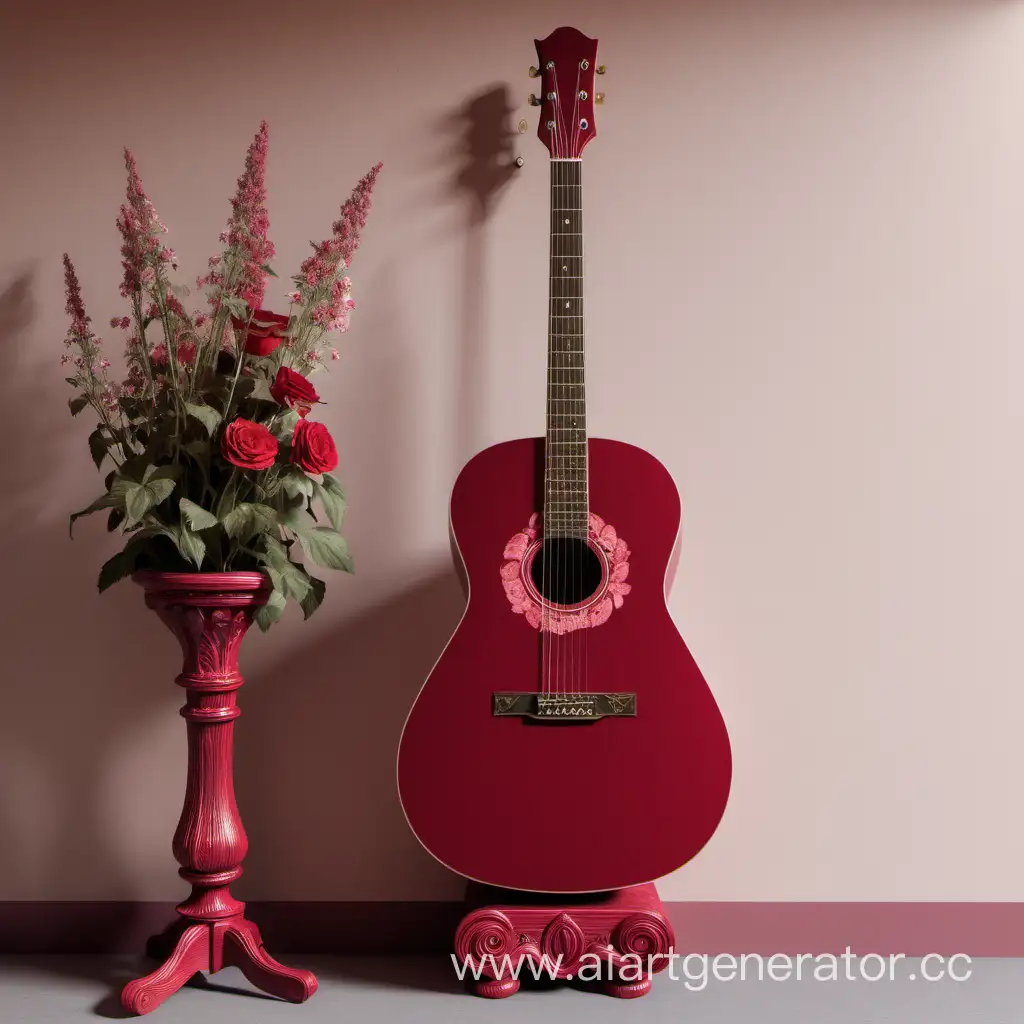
{"x": 617, "y": 938}
{"x": 209, "y": 613}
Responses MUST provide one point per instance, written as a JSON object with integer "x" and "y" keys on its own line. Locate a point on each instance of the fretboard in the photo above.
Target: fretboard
{"x": 565, "y": 465}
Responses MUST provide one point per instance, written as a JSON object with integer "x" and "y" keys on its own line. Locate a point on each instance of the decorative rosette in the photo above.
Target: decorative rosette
{"x": 559, "y": 621}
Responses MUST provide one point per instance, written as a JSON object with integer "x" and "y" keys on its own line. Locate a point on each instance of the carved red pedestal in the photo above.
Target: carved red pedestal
{"x": 612, "y": 929}
{"x": 209, "y": 613}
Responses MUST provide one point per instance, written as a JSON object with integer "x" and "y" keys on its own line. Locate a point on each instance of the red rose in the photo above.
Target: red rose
{"x": 313, "y": 447}
{"x": 293, "y": 390}
{"x": 264, "y": 332}
{"x": 248, "y": 445}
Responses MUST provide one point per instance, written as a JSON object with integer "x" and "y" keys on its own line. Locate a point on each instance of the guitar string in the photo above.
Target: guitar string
{"x": 577, "y": 554}
{"x": 562, "y": 136}
{"x": 562, "y": 570}
{"x": 547, "y": 646}
{"x": 586, "y": 429}
{"x": 558, "y": 638}
{"x": 542, "y": 552}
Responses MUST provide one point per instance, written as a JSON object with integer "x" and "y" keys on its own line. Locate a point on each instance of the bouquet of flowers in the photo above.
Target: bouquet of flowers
{"x": 217, "y": 462}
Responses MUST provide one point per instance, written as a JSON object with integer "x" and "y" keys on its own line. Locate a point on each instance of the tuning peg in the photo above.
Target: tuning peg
{"x": 534, "y": 72}
{"x": 599, "y": 97}
{"x": 534, "y": 101}
{"x": 600, "y": 69}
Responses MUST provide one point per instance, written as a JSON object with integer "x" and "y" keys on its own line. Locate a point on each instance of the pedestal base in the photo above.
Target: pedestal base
{"x": 189, "y": 947}
{"x": 613, "y": 941}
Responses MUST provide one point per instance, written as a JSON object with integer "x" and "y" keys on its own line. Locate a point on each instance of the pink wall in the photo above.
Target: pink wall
{"x": 805, "y": 240}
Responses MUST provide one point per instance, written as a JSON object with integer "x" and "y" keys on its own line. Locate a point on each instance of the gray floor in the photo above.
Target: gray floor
{"x": 64, "y": 990}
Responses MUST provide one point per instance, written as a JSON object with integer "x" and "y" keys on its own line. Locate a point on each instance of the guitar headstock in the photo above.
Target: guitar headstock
{"x": 568, "y": 63}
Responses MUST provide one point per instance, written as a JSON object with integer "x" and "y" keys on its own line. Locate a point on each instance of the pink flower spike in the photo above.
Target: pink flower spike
{"x": 293, "y": 296}
{"x": 334, "y": 354}
{"x": 348, "y": 226}
{"x": 74, "y": 307}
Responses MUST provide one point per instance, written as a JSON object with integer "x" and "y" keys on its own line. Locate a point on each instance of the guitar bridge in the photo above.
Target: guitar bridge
{"x": 574, "y": 707}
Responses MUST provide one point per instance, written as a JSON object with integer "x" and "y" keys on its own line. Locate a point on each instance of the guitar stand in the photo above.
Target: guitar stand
{"x": 613, "y": 940}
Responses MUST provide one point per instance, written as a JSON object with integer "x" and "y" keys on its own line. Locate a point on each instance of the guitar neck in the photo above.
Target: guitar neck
{"x": 566, "y": 496}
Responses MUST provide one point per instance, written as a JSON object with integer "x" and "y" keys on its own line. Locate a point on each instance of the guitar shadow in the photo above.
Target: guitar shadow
{"x": 485, "y": 168}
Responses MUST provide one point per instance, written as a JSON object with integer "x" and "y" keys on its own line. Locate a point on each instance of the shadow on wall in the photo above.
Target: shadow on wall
{"x": 73, "y": 691}
{"x": 317, "y": 741}
{"x": 486, "y": 167}
{"x": 319, "y": 738}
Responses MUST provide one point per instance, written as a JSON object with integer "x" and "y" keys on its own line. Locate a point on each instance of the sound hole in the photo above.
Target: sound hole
{"x": 565, "y": 570}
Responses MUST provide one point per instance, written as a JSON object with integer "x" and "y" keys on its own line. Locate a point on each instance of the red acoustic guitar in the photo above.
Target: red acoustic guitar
{"x": 565, "y": 741}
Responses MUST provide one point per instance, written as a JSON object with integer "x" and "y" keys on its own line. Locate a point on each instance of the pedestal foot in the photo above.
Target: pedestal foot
{"x": 191, "y": 954}
{"x": 211, "y": 946}
{"x": 628, "y": 989}
{"x": 491, "y": 988}
{"x": 243, "y": 949}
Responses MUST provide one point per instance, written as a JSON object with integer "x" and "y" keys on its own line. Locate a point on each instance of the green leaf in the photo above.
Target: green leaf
{"x": 238, "y": 521}
{"x": 137, "y": 502}
{"x": 206, "y": 414}
{"x": 295, "y": 482}
{"x": 98, "y": 445}
{"x": 76, "y": 405}
{"x": 235, "y": 306}
{"x": 326, "y": 547}
{"x": 333, "y": 500}
{"x": 314, "y": 598}
{"x": 140, "y": 498}
{"x": 247, "y": 519}
{"x": 265, "y": 267}
{"x": 284, "y": 425}
{"x": 261, "y": 390}
{"x": 161, "y": 488}
{"x": 294, "y": 581}
{"x": 115, "y": 519}
{"x": 168, "y": 472}
{"x": 120, "y": 486}
{"x": 275, "y": 552}
{"x": 191, "y": 545}
{"x": 118, "y": 567}
{"x": 104, "y": 501}
{"x": 269, "y": 613}
{"x": 195, "y": 515}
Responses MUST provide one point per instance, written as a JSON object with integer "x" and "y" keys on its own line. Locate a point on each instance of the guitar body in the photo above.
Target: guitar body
{"x": 562, "y": 805}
